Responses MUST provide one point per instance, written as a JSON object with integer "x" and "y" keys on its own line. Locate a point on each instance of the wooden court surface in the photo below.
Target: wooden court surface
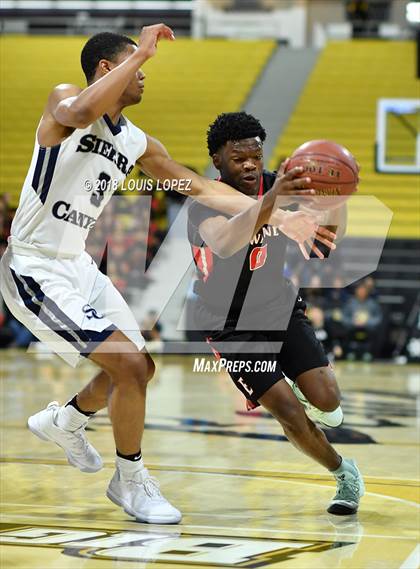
{"x": 249, "y": 499}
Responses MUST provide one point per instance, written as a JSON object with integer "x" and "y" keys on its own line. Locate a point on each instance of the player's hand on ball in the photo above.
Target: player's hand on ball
{"x": 292, "y": 184}
{"x": 304, "y": 229}
{"x": 151, "y": 35}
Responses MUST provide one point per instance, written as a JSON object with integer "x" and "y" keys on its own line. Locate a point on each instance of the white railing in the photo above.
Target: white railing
{"x": 287, "y": 24}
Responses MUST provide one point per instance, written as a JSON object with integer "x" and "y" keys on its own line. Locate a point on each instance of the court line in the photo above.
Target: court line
{"x": 383, "y": 496}
{"x": 293, "y": 474}
{"x": 202, "y": 469}
{"x": 302, "y": 532}
{"x": 413, "y": 560}
{"x": 67, "y": 507}
{"x": 220, "y": 529}
{"x": 393, "y": 498}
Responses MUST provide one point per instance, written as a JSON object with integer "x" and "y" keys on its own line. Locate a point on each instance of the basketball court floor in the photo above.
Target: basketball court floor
{"x": 249, "y": 499}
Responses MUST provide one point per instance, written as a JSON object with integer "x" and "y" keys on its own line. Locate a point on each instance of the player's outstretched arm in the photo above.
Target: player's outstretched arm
{"x": 226, "y": 237}
{"x": 298, "y": 226}
{"x": 157, "y": 163}
{"x": 69, "y": 107}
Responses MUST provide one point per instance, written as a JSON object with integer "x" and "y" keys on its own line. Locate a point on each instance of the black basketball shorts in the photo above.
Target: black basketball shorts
{"x": 254, "y": 372}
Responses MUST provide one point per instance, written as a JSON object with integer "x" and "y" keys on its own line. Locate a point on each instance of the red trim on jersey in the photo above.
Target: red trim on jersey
{"x": 203, "y": 257}
{"x": 261, "y": 188}
{"x": 215, "y": 352}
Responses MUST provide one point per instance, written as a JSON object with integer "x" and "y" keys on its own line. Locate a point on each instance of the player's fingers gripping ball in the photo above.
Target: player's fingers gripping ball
{"x": 332, "y": 168}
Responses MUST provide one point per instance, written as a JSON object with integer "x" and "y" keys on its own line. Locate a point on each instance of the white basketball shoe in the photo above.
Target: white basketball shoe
{"x": 139, "y": 495}
{"x": 80, "y": 453}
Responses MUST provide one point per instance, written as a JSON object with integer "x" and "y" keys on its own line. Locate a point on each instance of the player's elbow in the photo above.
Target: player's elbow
{"x": 223, "y": 250}
{"x": 220, "y": 244}
{"x": 82, "y": 118}
{"x": 75, "y": 116}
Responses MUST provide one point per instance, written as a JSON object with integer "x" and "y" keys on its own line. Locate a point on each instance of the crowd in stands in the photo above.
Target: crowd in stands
{"x": 127, "y": 236}
{"x": 347, "y": 320}
{"x": 12, "y": 332}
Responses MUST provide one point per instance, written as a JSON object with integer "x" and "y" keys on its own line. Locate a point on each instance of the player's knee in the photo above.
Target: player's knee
{"x": 133, "y": 369}
{"x": 150, "y": 368}
{"x": 141, "y": 367}
{"x": 328, "y": 399}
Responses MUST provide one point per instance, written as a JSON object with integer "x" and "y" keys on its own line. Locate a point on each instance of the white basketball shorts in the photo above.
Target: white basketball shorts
{"x": 66, "y": 303}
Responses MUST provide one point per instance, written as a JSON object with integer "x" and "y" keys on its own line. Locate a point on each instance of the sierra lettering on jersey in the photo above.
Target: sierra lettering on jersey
{"x": 96, "y": 145}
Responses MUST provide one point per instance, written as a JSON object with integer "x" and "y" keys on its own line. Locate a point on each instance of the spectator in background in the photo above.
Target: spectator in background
{"x": 13, "y": 334}
{"x": 316, "y": 316}
{"x": 315, "y": 295}
{"x": 6, "y": 216}
{"x": 127, "y": 237}
{"x": 362, "y": 316}
{"x": 324, "y": 333}
{"x": 370, "y": 284}
{"x": 6, "y": 333}
{"x": 334, "y": 316}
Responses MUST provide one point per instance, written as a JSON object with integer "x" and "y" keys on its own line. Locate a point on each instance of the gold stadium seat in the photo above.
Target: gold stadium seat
{"x": 339, "y": 103}
{"x": 186, "y": 88}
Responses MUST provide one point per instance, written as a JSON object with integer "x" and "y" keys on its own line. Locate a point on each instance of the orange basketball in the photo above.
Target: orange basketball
{"x": 332, "y": 168}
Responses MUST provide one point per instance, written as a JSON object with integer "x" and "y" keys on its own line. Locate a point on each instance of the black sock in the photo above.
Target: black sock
{"x": 133, "y": 457}
{"x": 73, "y": 403}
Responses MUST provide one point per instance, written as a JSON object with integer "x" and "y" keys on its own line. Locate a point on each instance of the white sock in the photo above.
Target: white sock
{"x": 69, "y": 418}
{"x": 128, "y": 468}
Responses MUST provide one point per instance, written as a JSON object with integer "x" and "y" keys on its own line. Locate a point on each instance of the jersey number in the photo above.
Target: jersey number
{"x": 99, "y": 189}
{"x": 257, "y": 258}
{"x": 248, "y": 389}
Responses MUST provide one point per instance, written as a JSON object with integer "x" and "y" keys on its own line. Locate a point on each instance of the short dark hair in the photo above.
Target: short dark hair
{"x": 233, "y": 126}
{"x": 105, "y": 45}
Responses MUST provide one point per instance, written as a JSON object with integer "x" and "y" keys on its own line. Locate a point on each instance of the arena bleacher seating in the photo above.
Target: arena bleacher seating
{"x": 339, "y": 103}
{"x": 187, "y": 85}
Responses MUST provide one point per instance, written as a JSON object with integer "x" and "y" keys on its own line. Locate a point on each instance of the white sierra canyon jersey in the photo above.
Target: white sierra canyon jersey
{"x": 68, "y": 186}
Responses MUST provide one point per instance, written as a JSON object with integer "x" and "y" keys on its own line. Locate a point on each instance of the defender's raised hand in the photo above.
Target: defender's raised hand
{"x": 150, "y": 36}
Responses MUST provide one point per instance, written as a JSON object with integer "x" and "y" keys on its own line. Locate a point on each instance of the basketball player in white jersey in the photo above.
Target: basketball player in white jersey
{"x": 54, "y": 287}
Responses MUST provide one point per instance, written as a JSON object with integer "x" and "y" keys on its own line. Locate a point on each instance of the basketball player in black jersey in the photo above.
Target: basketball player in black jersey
{"x": 249, "y": 314}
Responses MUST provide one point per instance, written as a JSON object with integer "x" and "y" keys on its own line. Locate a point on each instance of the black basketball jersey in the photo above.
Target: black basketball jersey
{"x": 252, "y": 278}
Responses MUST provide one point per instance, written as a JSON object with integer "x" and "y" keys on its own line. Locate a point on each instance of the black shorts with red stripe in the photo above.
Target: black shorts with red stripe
{"x": 256, "y": 360}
